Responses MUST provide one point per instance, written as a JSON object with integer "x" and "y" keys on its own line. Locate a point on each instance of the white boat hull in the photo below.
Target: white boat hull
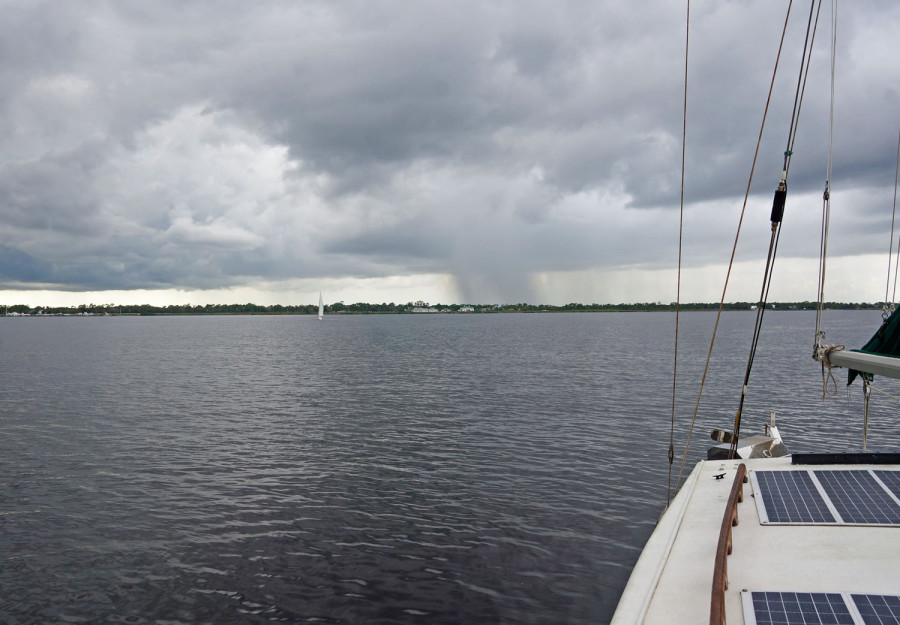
{"x": 672, "y": 582}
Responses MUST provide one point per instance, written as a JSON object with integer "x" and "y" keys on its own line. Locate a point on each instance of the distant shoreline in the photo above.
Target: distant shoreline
{"x": 21, "y": 310}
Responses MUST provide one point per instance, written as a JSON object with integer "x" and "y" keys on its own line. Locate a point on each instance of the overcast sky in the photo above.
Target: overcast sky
{"x": 491, "y": 151}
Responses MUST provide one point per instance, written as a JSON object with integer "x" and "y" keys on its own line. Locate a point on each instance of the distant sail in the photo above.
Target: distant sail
{"x": 321, "y": 306}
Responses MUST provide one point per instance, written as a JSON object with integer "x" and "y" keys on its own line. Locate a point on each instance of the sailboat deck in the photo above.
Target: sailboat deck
{"x": 672, "y": 582}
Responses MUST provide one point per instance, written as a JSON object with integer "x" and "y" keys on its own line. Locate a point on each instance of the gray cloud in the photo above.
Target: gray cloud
{"x": 204, "y": 145}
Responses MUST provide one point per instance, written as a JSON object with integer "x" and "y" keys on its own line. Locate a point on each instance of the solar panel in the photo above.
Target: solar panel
{"x": 859, "y": 498}
{"x": 790, "y": 497}
{"x": 848, "y": 497}
{"x": 800, "y": 608}
{"x": 819, "y": 608}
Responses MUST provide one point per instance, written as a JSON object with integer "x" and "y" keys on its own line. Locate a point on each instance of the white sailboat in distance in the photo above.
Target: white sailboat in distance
{"x": 321, "y": 306}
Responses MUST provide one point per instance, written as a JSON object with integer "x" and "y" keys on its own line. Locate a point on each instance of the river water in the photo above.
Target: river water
{"x": 502, "y": 468}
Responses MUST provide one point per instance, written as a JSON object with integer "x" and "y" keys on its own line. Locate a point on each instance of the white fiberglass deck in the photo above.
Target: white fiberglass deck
{"x": 672, "y": 582}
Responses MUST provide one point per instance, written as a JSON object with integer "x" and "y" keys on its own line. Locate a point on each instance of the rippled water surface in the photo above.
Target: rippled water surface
{"x": 367, "y": 469}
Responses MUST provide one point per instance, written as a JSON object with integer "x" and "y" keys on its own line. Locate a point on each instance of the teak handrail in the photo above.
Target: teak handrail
{"x": 720, "y": 572}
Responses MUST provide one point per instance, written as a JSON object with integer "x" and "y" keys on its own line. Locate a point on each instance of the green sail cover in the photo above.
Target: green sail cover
{"x": 886, "y": 342}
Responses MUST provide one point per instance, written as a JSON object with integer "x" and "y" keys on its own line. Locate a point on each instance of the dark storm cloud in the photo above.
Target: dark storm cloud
{"x": 200, "y": 144}
{"x": 19, "y": 267}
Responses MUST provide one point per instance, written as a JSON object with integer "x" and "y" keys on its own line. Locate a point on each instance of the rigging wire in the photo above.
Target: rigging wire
{"x": 822, "y": 352}
{"x": 893, "y": 299}
{"x": 777, "y": 216}
{"x": 819, "y": 352}
{"x": 687, "y": 39}
{"x": 734, "y": 247}
{"x": 883, "y": 392}
{"x": 867, "y": 395}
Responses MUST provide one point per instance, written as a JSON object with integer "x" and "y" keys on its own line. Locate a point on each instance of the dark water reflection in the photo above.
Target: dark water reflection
{"x": 365, "y": 469}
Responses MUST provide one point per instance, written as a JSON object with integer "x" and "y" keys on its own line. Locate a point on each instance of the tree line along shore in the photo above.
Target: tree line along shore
{"x": 407, "y": 308}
